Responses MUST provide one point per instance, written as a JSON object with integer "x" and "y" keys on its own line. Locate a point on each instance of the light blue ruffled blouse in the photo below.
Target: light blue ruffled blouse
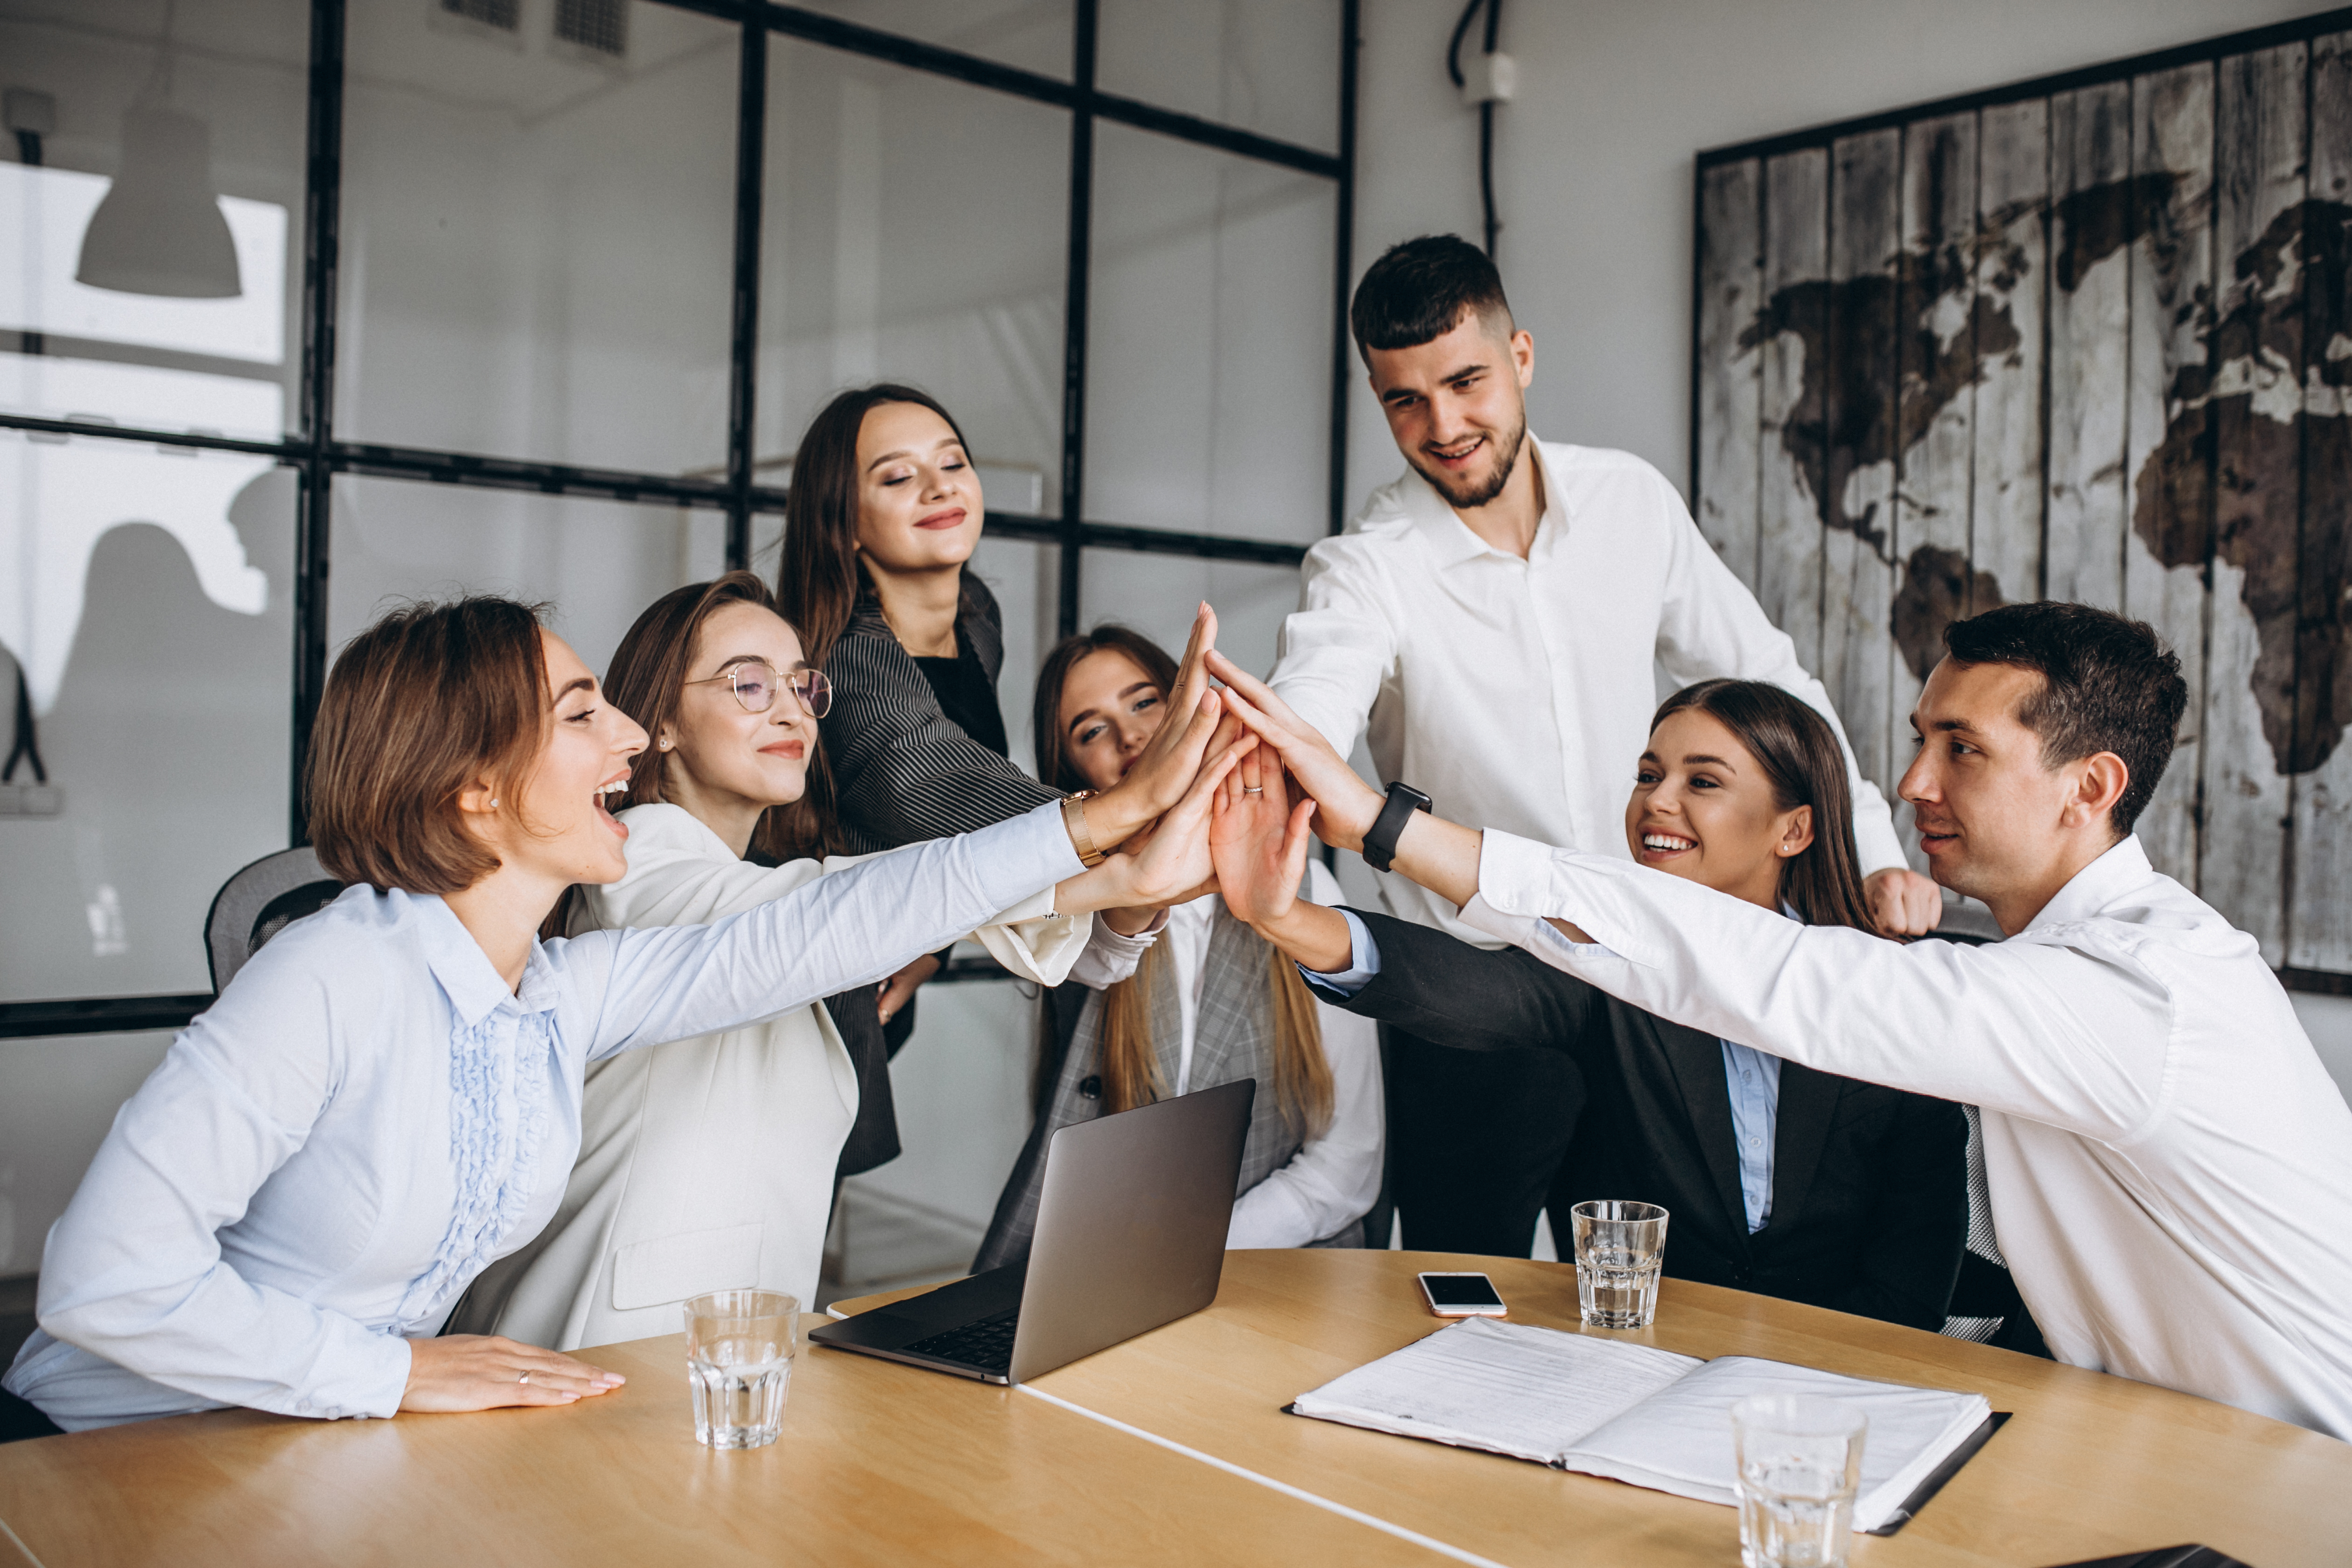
{"x": 368, "y": 1117}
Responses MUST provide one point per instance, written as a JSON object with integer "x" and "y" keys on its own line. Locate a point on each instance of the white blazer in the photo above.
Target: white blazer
{"x": 708, "y": 1162}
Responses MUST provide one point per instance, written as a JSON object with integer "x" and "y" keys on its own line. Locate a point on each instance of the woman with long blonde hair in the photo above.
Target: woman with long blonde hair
{"x": 1210, "y": 1003}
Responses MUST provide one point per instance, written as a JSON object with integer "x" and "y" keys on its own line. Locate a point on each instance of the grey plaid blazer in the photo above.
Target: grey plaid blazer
{"x": 903, "y": 770}
{"x": 1233, "y": 1039}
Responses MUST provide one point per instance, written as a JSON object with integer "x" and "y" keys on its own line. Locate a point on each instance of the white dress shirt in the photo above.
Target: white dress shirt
{"x": 1517, "y": 693}
{"x": 707, "y": 1163}
{"x": 1336, "y": 1176}
{"x": 368, "y": 1116}
{"x": 2170, "y": 1166}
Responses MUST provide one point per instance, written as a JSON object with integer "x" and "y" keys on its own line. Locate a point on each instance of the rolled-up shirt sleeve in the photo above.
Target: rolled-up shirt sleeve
{"x": 2025, "y": 1028}
{"x": 133, "y": 1271}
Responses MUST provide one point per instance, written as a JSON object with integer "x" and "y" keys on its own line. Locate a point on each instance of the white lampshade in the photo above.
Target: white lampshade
{"x": 159, "y": 230}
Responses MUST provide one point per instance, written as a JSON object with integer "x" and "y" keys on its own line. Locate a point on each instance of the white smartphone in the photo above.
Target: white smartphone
{"x": 1462, "y": 1296}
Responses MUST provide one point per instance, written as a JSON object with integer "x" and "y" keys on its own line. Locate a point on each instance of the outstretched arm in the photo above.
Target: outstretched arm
{"x": 1441, "y": 855}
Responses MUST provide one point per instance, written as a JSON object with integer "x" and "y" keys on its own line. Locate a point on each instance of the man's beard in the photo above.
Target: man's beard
{"x": 1467, "y": 493}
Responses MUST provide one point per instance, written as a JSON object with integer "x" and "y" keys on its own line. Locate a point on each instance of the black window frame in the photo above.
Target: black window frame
{"x": 317, "y": 455}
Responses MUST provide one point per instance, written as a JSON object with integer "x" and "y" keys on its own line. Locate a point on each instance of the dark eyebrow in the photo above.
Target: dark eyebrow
{"x": 1718, "y": 761}
{"x": 1448, "y": 378}
{"x": 1086, "y": 713}
{"x": 939, "y": 446}
{"x": 730, "y": 662}
{"x": 585, "y": 683}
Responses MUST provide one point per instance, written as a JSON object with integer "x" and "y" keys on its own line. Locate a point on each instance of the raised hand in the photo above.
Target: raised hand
{"x": 1171, "y": 864}
{"x": 1346, "y": 805}
{"x": 484, "y": 1372}
{"x": 1172, "y": 759}
{"x": 1258, "y": 842}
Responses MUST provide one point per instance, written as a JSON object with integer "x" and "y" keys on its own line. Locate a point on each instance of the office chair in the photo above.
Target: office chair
{"x": 260, "y": 901}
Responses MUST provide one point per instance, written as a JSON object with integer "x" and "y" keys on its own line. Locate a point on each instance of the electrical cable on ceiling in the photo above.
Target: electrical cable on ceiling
{"x": 1494, "y": 86}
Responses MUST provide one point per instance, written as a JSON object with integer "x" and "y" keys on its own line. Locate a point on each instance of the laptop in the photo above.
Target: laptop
{"x": 1131, "y": 1225}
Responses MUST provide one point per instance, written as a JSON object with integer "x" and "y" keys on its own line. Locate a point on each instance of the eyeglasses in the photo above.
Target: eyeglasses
{"x": 755, "y": 684}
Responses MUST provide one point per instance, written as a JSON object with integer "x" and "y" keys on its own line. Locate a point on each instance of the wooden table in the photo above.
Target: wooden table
{"x": 1171, "y": 1447}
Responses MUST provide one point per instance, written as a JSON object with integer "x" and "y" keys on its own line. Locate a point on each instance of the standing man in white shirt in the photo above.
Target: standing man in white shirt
{"x": 1490, "y": 623}
{"x": 2170, "y": 1166}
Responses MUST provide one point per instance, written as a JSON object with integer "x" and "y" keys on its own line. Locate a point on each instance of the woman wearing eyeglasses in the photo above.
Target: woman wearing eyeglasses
{"x": 709, "y": 1162}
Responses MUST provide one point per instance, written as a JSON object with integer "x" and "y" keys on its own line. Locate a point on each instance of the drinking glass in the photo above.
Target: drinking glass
{"x": 738, "y": 1356}
{"x": 1620, "y": 1245}
{"x": 1800, "y": 1462}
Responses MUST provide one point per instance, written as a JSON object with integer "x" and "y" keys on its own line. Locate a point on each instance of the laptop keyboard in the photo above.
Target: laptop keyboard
{"x": 986, "y": 1344}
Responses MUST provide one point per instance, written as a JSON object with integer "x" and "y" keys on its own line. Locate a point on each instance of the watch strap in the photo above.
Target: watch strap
{"x": 1381, "y": 841}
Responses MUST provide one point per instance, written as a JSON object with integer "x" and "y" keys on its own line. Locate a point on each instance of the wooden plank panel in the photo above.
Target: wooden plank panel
{"x": 1936, "y": 344}
{"x": 2319, "y": 921}
{"x": 1730, "y": 291}
{"x": 1791, "y": 331}
{"x": 2168, "y": 441}
{"x": 1858, "y": 487}
{"x": 2257, "y": 354}
{"x": 2089, "y": 173}
{"x": 2012, "y": 289}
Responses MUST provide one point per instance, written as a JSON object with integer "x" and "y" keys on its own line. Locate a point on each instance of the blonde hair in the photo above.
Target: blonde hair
{"x": 1129, "y": 1066}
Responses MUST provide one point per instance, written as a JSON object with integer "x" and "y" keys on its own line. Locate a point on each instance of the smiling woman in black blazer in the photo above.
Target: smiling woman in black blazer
{"x": 1780, "y": 1179}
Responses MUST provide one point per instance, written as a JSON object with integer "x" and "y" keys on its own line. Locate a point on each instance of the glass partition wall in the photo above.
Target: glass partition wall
{"x": 309, "y": 308}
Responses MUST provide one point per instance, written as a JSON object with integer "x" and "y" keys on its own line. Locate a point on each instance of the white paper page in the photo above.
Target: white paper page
{"x": 1510, "y": 1388}
{"x": 1679, "y": 1440}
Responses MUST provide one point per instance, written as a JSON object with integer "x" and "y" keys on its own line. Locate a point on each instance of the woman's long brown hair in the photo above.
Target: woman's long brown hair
{"x": 1806, "y": 766}
{"x": 1129, "y": 1064}
{"x": 647, "y": 680}
{"x": 819, "y": 579}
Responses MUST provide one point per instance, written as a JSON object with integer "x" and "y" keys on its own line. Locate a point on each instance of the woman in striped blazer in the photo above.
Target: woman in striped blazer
{"x": 885, "y": 512}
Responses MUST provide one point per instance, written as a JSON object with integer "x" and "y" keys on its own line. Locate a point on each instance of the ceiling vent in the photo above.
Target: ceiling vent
{"x": 595, "y": 30}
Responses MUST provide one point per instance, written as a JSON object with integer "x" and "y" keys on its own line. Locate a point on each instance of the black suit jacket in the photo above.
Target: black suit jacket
{"x": 1870, "y": 1203}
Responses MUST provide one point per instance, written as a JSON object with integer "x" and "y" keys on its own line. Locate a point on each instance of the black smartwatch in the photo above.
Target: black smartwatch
{"x": 1381, "y": 840}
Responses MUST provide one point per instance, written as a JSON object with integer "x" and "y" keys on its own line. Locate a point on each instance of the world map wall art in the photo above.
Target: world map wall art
{"x": 2089, "y": 338}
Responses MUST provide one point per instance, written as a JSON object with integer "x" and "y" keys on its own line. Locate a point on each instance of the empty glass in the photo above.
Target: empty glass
{"x": 1620, "y": 1245}
{"x": 1799, "y": 1463}
{"x": 738, "y": 1357}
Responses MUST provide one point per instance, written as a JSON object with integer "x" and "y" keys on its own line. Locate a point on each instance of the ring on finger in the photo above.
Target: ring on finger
{"x": 1253, "y": 789}
{"x": 525, "y": 1377}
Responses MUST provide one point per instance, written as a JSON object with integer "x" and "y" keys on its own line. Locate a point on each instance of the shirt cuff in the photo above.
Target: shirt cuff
{"x": 1363, "y": 961}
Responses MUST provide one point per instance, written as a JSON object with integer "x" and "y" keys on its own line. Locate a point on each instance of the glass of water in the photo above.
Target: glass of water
{"x": 1799, "y": 1463}
{"x": 738, "y": 1356}
{"x": 1620, "y": 1247}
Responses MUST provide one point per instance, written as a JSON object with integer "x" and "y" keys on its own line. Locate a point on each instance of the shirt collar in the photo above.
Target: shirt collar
{"x": 2097, "y": 885}
{"x": 1450, "y": 539}
{"x": 474, "y": 988}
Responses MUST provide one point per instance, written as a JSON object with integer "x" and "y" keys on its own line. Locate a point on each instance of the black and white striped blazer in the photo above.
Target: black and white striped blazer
{"x": 903, "y": 770}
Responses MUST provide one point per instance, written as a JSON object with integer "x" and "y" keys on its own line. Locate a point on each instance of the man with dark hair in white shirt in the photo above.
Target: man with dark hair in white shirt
{"x": 2170, "y": 1166}
{"x": 1489, "y": 624}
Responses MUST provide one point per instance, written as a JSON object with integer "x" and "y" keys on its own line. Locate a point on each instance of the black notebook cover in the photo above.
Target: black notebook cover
{"x": 1944, "y": 1472}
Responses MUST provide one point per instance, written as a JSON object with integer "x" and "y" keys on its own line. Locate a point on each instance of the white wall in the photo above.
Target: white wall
{"x": 1593, "y": 162}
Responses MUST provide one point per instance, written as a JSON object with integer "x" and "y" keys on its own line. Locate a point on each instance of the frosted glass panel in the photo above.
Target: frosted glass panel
{"x": 916, "y": 232}
{"x": 538, "y": 246}
{"x": 1032, "y": 34}
{"x": 233, "y": 74}
{"x": 1268, "y": 65}
{"x": 1209, "y": 341}
{"x": 1157, "y": 594}
{"x": 147, "y": 605}
{"x": 598, "y": 562}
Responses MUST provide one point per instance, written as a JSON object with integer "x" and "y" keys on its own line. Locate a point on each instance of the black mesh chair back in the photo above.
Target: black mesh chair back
{"x": 260, "y": 901}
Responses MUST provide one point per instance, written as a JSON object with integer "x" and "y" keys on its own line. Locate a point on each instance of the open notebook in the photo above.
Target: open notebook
{"x": 1605, "y": 1407}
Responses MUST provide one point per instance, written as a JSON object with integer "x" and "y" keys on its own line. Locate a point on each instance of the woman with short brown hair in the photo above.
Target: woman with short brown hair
{"x": 387, "y": 1098}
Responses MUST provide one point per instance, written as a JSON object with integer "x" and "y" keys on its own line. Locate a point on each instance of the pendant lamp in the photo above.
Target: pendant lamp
{"x": 159, "y": 230}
